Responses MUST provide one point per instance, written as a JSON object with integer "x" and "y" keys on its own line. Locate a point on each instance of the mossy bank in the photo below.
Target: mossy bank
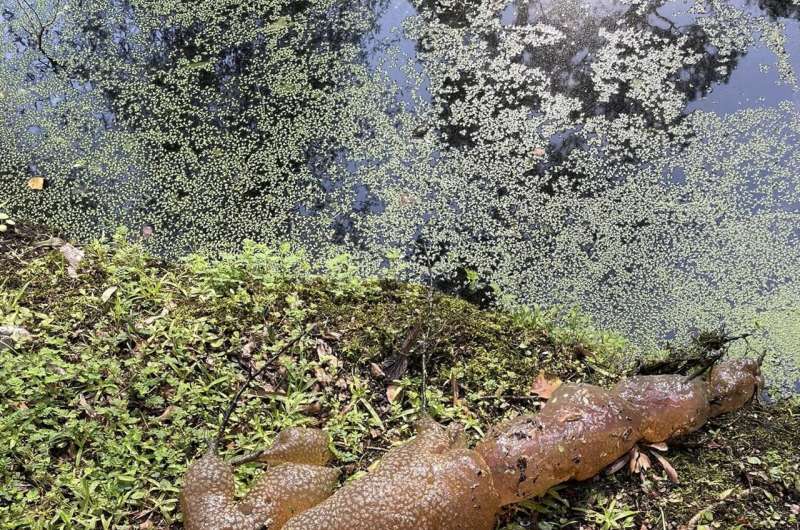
{"x": 130, "y": 361}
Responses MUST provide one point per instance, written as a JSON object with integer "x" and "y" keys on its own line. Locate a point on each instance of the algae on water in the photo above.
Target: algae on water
{"x": 550, "y": 152}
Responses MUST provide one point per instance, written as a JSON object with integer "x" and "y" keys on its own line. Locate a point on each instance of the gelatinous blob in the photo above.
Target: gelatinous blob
{"x": 299, "y": 445}
{"x": 669, "y": 405}
{"x": 435, "y": 483}
{"x": 430, "y": 483}
{"x": 732, "y": 384}
{"x": 581, "y": 430}
{"x": 289, "y": 489}
{"x": 207, "y": 498}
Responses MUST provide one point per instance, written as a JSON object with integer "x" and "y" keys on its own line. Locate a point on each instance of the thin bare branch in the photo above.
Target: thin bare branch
{"x": 213, "y": 444}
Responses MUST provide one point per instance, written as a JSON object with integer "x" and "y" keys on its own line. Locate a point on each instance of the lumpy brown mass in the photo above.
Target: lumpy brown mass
{"x": 434, "y": 482}
{"x": 298, "y": 445}
{"x": 669, "y": 405}
{"x": 430, "y": 483}
{"x": 207, "y": 498}
{"x": 297, "y": 481}
{"x": 732, "y": 384}
{"x": 579, "y": 431}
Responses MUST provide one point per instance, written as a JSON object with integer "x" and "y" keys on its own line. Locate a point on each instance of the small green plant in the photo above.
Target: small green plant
{"x": 609, "y": 516}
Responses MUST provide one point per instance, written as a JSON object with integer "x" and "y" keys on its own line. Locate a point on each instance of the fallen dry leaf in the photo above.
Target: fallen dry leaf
{"x": 150, "y": 320}
{"x": 53, "y": 242}
{"x": 14, "y": 331}
{"x": 326, "y": 356}
{"x": 56, "y": 369}
{"x": 725, "y": 494}
{"x": 393, "y": 392}
{"x": 661, "y": 446}
{"x": 108, "y": 293}
{"x": 167, "y": 414}
{"x": 322, "y": 376}
{"x": 248, "y": 349}
{"x": 36, "y": 183}
{"x": 633, "y": 463}
{"x": 86, "y": 406}
{"x": 376, "y": 371}
{"x": 73, "y": 256}
{"x": 312, "y": 409}
{"x": 619, "y": 464}
{"x": 643, "y": 462}
{"x": 544, "y": 386}
{"x": 671, "y": 473}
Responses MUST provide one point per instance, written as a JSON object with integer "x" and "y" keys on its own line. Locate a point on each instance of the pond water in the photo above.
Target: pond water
{"x": 638, "y": 158}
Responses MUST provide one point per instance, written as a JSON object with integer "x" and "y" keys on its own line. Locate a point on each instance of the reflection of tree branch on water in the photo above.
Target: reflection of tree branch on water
{"x": 780, "y": 8}
{"x": 651, "y": 99}
{"x": 492, "y": 69}
{"x": 39, "y": 29}
{"x": 568, "y": 64}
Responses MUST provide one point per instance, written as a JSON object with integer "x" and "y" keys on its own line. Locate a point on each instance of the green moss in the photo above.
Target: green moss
{"x": 117, "y": 390}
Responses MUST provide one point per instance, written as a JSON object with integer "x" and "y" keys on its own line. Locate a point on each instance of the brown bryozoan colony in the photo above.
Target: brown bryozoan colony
{"x": 435, "y": 482}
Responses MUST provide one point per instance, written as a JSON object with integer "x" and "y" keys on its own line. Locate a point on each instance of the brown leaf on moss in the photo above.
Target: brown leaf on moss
{"x": 544, "y": 386}
{"x": 322, "y": 376}
{"x": 323, "y": 349}
{"x": 167, "y": 414}
{"x": 36, "y": 183}
{"x": 393, "y": 392}
{"x": 108, "y": 293}
{"x": 73, "y": 257}
{"x": 376, "y": 371}
{"x": 312, "y": 409}
{"x": 84, "y": 403}
{"x": 249, "y": 348}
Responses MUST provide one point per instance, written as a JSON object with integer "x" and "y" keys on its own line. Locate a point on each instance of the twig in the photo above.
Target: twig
{"x": 213, "y": 444}
{"x": 707, "y": 363}
{"x": 761, "y": 358}
{"x": 56, "y": 12}
{"x": 506, "y": 398}
{"x": 246, "y": 459}
{"x": 39, "y": 29}
{"x": 427, "y": 337}
{"x": 27, "y": 14}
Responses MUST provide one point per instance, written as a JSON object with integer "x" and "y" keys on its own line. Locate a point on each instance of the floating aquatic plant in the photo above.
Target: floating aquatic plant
{"x": 546, "y": 147}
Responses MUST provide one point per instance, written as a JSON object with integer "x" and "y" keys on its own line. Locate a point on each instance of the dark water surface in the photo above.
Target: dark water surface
{"x": 637, "y": 158}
